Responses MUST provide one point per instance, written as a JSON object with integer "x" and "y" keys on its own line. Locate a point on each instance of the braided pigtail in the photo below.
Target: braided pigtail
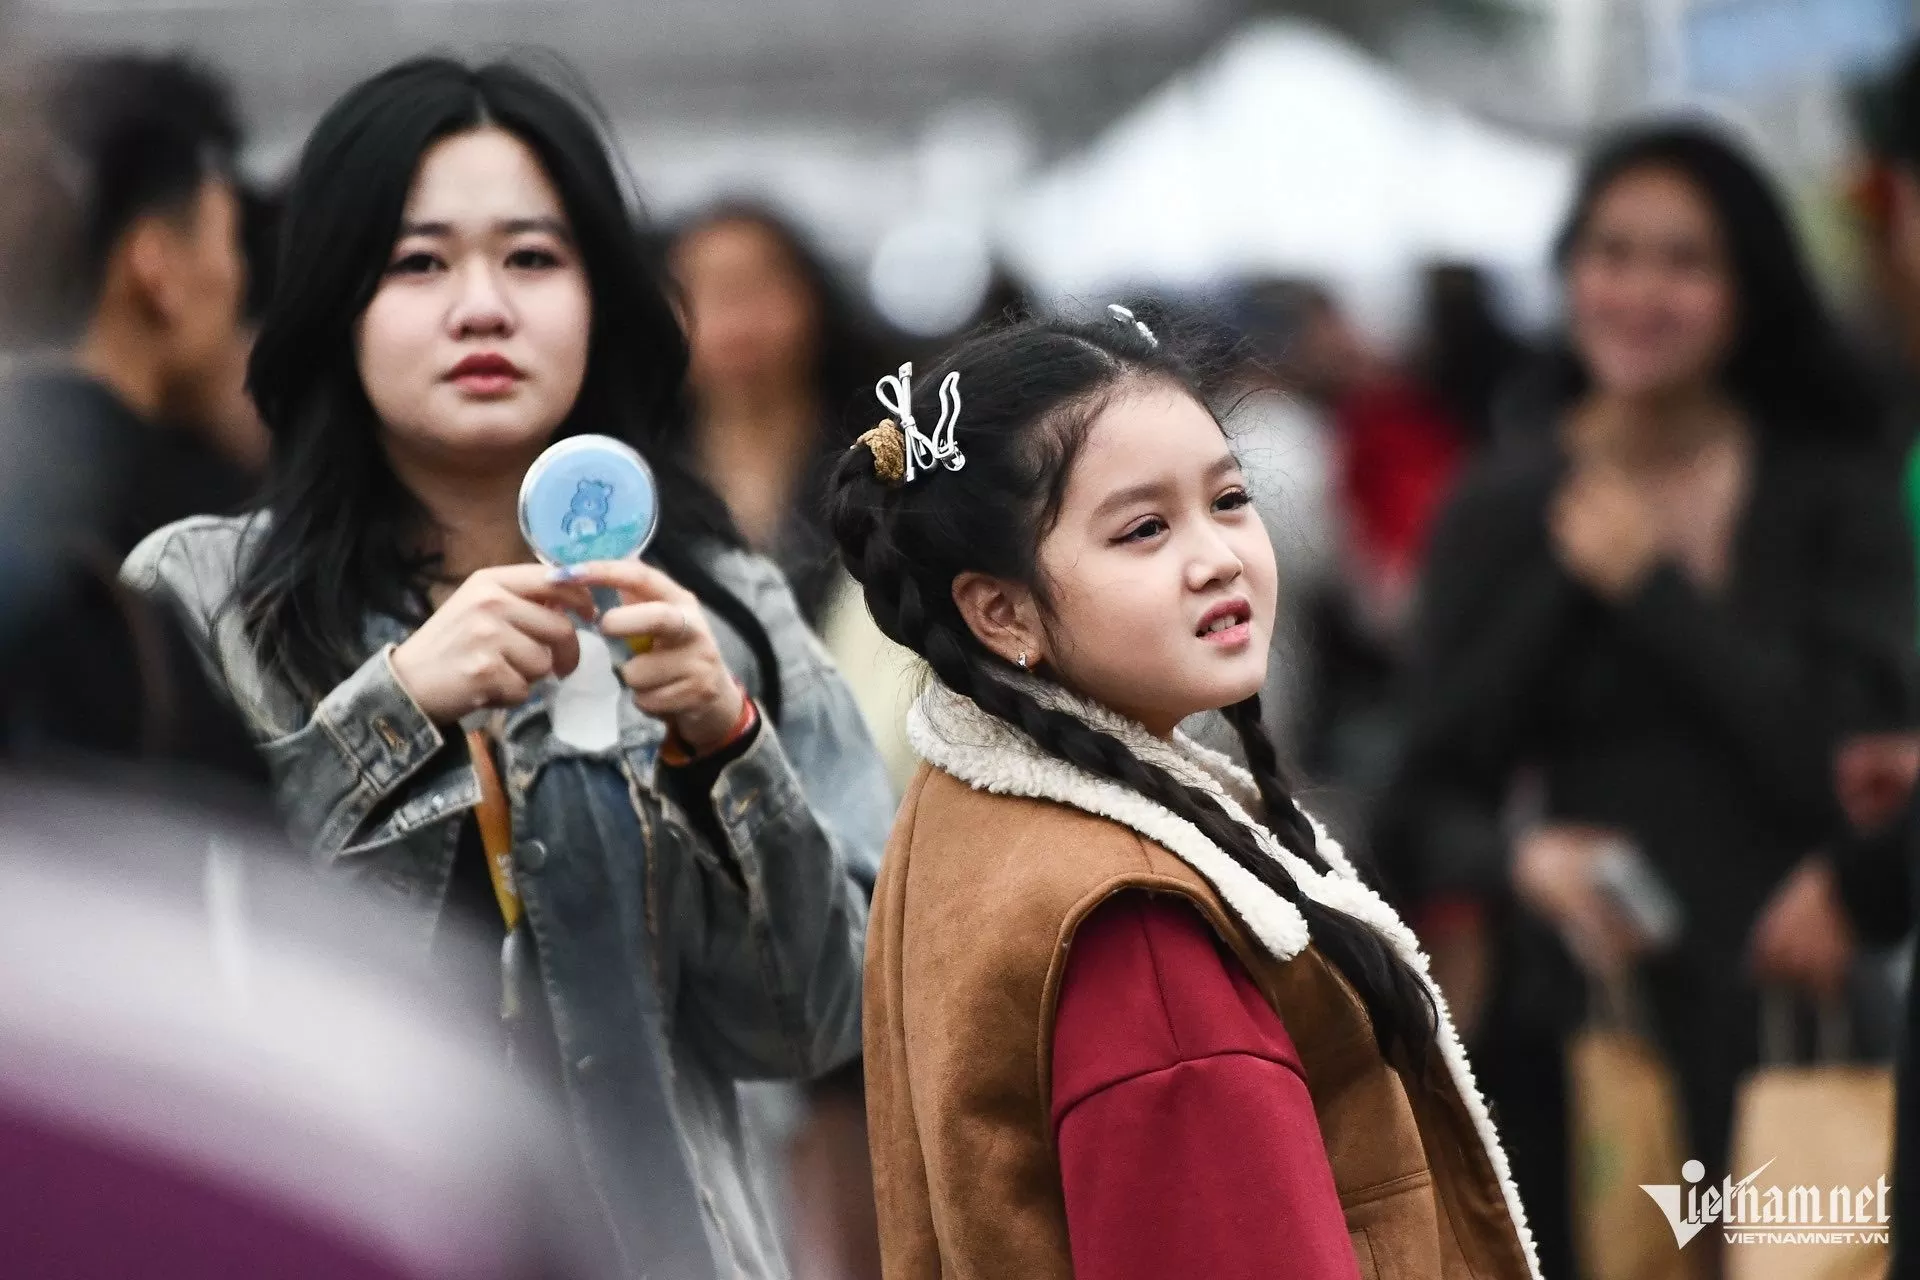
{"x": 1353, "y": 948}
{"x": 1283, "y": 817}
{"x": 1031, "y": 391}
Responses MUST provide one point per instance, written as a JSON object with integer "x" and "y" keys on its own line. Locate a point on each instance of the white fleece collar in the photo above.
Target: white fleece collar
{"x": 952, "y": 733}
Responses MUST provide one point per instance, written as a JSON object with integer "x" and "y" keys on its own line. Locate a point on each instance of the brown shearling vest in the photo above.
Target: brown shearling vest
{"x": 976, "y": 906}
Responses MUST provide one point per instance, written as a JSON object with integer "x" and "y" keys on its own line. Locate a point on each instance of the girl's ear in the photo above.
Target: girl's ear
{"x": 1002, "y": 615}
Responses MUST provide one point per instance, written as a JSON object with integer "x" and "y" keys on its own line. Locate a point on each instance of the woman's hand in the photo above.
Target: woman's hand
{"x": 1603, "y": 531}
{"x": 1803, "y": 937}
{"x": 1554, "y": 874}
{"x": 681, "y": 678}
{"x": 486, "y": 645}
{"x": 1873, "y": 774}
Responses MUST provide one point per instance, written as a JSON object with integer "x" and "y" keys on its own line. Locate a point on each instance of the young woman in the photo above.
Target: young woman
{"x": 1665, "y": 608}
{"x": 462, "y": 286}
{"x": 1128, "y": 1013}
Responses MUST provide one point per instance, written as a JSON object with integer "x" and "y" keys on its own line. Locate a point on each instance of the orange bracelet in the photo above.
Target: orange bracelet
{"x": 676, "y": 753}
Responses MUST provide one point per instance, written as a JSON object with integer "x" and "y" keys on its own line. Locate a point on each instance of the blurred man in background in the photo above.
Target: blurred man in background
{"x": 125, "y": 371}
{"x": 146, "y": 377}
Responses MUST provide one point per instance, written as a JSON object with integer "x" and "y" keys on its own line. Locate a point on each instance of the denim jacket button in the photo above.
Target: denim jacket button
{"x": 437, "y": 803}
{"x": 389, "y": 734}
{"x": 533, "y": 855}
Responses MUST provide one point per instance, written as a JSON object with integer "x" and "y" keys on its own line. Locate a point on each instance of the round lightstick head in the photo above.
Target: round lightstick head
{"x": 588, "y": 498}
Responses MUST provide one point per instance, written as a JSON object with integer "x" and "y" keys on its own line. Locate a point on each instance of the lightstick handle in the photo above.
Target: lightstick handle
{"x": 605, "y": 598}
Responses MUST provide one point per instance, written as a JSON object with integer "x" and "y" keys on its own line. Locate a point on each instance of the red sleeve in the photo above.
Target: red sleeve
{"x": 1188, "y": 1143}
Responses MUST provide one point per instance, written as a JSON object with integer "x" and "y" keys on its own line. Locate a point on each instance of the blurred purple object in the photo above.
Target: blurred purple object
{"x": 212, "y": 1066}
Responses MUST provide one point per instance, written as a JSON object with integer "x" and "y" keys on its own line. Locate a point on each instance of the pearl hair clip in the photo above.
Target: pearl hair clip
{"x": 1124, "y": 315}
{"x": 901, "y": 451}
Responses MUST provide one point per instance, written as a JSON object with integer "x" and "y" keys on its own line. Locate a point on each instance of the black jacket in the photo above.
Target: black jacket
{"x": 1701, "y": 724}
{"x": 92, "y": 678}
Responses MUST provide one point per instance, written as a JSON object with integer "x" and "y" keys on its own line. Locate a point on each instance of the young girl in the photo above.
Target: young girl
{"x": 1128, "y": 1012}
{"x": 463, "y": 285}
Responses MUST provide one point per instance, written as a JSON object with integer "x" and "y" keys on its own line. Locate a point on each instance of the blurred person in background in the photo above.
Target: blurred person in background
{"x": 1399, "y": 451}
{"x": 780, "y": 355}
{"x": 1286, "y": 446}
{"x": 39, "y": 256}
{"x": 1867, "y": 890}
{"x": 1664, "y": 614}
{"x": 1395, "y": 453}
{"x": 39, "y": 246}
{"x": 780, "y": 352}
{"x": 147, "y": 380}
{"x": 673, "y": 870}
{"x": 232, "y": 430}
{"x": 1468, "y": 355}
{"x": 101, "y": 424}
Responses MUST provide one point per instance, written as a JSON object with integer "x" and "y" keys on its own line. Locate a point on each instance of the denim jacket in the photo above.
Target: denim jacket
{"x": 671, "y": 968}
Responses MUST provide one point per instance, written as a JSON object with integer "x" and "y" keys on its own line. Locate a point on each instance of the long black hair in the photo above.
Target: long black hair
{"x": 1790, "y": 366}
{"x": 339, "y": 545}
{"x": 1032, "y": 391}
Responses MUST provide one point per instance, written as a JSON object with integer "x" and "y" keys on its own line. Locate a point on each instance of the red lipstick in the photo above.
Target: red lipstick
{"x": 485, "y": 373}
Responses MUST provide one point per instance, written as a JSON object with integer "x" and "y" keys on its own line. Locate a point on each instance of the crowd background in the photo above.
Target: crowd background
{"x": 1359, "y": 201}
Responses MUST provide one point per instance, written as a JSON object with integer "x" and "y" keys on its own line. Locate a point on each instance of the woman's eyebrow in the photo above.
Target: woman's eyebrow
{"x": 505, "y": 226}
{"x": 521, "y": 226}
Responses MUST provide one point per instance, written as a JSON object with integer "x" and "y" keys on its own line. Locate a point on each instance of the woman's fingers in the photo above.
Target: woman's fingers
{"x": 678, "y": 673}
{"x": 554, "y": 631}
{"x": 500, "y": 684}
{"x": 635, "y": 580}
{"x": 667, "y": 624}
{"x": 646, "y": 672}
{"x": 527, "y": 656}
{"x": 538, "y": 583}
{"x": 673, "y": 698}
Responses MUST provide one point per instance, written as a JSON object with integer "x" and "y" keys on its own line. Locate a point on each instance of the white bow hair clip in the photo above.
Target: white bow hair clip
{"x": 1124, "y": 315}
{"x": 903, "y": 451}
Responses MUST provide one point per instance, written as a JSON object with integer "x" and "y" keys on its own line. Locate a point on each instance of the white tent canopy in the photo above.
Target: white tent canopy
{"x": 1289, "y": 152}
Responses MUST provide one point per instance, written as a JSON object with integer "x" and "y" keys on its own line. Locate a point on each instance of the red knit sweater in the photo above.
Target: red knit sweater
{"x": 1188, "y": 1143}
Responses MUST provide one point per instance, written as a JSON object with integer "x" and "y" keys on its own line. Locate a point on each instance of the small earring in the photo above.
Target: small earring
{"x": 1021, "y": 661}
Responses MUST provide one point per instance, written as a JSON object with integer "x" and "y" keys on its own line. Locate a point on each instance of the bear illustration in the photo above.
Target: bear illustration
{"x": 587, "y": 515}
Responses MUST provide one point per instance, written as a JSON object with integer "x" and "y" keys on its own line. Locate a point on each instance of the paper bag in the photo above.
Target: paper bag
{"x": 1823, "y": 1127}
{"x": 1625, "y": 1131}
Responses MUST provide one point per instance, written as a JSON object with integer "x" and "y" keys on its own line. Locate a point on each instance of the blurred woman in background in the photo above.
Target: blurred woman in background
{"x": 780, "y": 353}
{"x": 1660, "y": 612}
{"x": 684, "y": 907}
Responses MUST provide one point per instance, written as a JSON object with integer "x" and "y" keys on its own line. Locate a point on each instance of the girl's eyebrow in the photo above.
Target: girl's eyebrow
{"x": 1131, "y": 494}
{"x": 1224, "y": 465}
